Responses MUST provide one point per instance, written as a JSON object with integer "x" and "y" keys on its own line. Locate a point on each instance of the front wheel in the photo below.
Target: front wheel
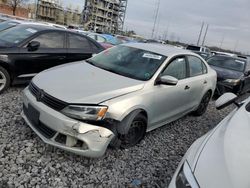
{"x": 203, "y": 105}
{"x": 4, "y": 79}
{"x": 135, "y": 133}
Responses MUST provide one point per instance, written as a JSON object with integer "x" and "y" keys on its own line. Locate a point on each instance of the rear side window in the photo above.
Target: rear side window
{"x": 78, "y": 42}
{"x": 50, "y": 40}
{"x": 196, "y": 66}
{"x": 177, "y": 68}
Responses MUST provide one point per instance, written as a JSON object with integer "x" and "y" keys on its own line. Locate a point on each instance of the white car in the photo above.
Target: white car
{"x": 221, "y": 158}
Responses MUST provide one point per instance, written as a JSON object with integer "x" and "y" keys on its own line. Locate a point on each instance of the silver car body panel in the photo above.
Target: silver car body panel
{"x": 82, "y": 83}
{"x": 221, "y": 158}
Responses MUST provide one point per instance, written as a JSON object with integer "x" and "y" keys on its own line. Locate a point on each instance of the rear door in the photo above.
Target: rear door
{"x": 198, "y": 80}
{"x": 52, "y": 52}
{"x": 80, "y": 47}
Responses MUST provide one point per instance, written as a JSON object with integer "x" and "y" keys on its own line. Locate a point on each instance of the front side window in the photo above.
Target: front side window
{"x": 78, "y": 42}
{"x": 196, "y": 66}
{"x": 177, "y": 68}
{"x": 227, "y": 63}
{"x": 50, "y": 40}
{"x": 128, "y": 61}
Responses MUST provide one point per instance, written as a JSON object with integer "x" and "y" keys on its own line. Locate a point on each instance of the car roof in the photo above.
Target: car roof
{"x": 232, "y": 57}
{"x": 163, "y": 49}
{"x": 40, "y": 26}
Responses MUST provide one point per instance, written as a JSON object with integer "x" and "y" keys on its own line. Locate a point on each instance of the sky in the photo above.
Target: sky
{"x": 229, "y": 20}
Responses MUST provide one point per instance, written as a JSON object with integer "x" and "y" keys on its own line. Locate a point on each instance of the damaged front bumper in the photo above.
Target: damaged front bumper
{"x": 60, "y": 131}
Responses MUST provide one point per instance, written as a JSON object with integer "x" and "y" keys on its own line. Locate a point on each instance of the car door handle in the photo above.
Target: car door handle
{"x": 187, "y": 87}
{"x": 205, "y": 82}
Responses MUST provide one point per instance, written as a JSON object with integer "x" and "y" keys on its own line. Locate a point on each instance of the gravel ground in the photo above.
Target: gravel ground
{"x": 25, "y": 161}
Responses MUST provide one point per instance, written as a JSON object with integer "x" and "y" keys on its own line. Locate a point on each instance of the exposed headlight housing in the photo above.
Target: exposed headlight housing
{"x": 91, "y": 113}
{"x": 185, "y": 177}
{"x": 232, "y": 81}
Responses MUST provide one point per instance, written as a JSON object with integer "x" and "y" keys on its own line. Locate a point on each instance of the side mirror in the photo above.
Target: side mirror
{"x": 225, "y": 100}
{"x": 33, "y": 46}
{"x": 247, "y": 73}
{"x": 167, "y": 80}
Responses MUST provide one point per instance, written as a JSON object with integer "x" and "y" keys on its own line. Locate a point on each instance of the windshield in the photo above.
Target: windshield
{"x": 16, "y": 34}
{"x": 7, "y": 24}
{"x": 130, "y": 62}
{"x": 227, "y": 63}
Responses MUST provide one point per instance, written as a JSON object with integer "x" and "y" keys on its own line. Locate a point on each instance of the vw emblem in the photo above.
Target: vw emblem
{"x": 40, "y": 95}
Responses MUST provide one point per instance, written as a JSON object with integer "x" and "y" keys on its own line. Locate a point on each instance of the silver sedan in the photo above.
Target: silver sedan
{"x": 115, "y": 97}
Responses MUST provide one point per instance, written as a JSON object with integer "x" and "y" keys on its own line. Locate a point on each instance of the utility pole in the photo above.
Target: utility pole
{"x": 198, "y": 42}
{"x": 158, "y": 24}
{"x": 36, "y": 8}
{"x": 222, "y": 40}
{"x": 156, "y": 16}
{"x": 203, "y": 42}
{"x": 236, "y": 45}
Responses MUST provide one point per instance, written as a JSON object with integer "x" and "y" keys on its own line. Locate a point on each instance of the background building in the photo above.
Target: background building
{"x": 104, "y": 15}
{"x": 52, "y": 11}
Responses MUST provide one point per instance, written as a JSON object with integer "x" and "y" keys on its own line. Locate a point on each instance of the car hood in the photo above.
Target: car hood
{"x": 223, "y": 74}
{"x": 225, "y": 158}
{"x": 83, "y": 83}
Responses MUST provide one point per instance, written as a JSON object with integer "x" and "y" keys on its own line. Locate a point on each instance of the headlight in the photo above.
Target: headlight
{"x": 95, "y": 113}
{"x": 232, "y": 81}
{"x": 185, "y": 178}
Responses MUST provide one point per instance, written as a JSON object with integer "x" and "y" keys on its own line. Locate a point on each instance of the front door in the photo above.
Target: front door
{"x": 172, "y": 102}
{"x": 50, "y": 53}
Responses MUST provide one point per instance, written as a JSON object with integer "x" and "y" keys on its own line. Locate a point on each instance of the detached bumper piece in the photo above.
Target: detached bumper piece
{"x": 60, "y": 131}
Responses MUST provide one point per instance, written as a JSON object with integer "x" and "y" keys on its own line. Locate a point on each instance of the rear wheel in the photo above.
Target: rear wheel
{"x": 4, "y": 79}
{"x": 203, "y": 105}
{"x": 135, "y": 133}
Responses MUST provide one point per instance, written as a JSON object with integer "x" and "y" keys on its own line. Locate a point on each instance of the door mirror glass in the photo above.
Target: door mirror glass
{"x": 225, "y": 100}
{"x": 33, "y": 46}
{"x": 167, "y": 80}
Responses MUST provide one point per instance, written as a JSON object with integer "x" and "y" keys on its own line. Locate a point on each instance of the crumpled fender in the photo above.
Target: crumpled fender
{"x": 124, "y": 125}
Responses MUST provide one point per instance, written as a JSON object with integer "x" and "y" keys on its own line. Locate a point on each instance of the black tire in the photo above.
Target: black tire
{"x": 4, "y": 79}
{"x": 203, "y": 105}
{"x": 135, "y": 133}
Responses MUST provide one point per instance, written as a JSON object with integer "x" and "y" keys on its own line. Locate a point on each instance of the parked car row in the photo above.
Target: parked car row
{"x": 233, "y": 71}
{"x": 114, "y": 97}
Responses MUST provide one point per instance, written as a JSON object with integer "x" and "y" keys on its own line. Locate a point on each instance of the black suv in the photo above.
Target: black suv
{"x": 28, "y": 49}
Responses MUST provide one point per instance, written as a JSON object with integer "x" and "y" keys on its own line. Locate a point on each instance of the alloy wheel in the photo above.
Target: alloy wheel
{"x": 3, "y": 80}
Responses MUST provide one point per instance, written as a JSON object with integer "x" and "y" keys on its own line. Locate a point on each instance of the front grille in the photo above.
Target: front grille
{"x": 39, "y": 126}
{"x": 47, "y": 99}
{"x": 44, "y": 130}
